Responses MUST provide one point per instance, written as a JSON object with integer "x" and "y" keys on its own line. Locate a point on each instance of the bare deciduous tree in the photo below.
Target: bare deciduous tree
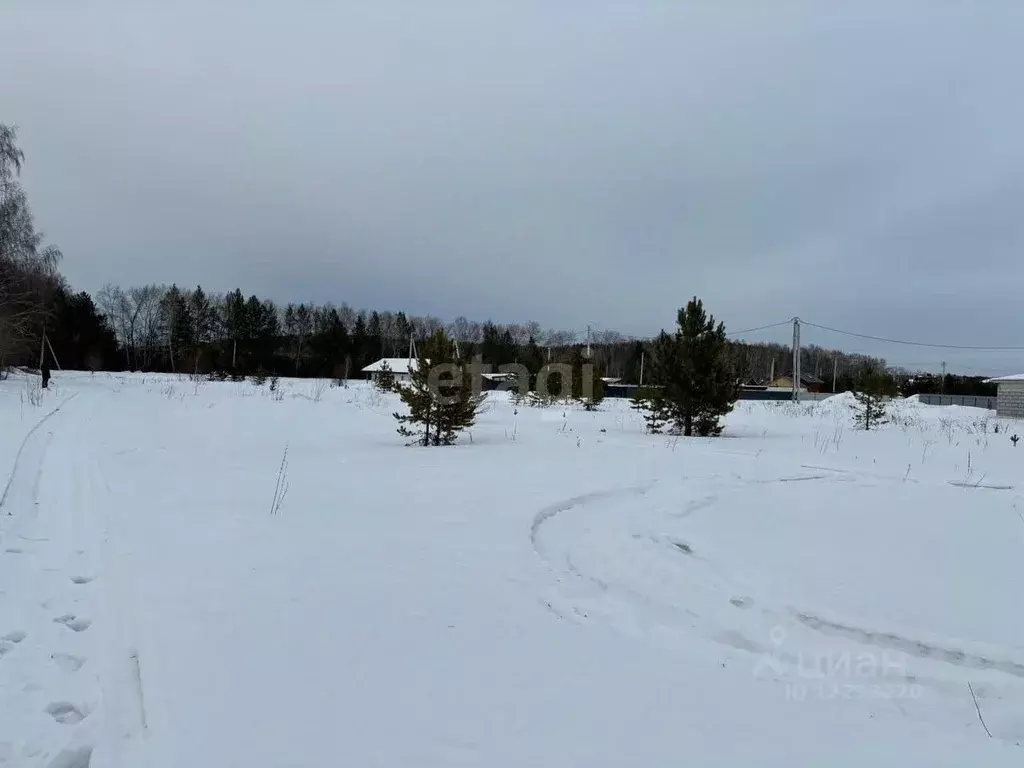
{"x": 28, "y": 271}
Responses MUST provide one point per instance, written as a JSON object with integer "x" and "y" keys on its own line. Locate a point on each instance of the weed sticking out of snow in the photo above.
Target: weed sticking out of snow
{"x": 281, "y": 487}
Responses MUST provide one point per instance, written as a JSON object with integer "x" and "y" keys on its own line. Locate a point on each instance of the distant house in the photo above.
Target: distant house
{"x": 401, "y": 367}
{"x": 492, "y": 381}
{"x": 808, "y": 382}
{"x": 1009, "y": 396}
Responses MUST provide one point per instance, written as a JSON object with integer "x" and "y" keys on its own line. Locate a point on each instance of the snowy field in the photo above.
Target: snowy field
{"x": 559, "y": 590}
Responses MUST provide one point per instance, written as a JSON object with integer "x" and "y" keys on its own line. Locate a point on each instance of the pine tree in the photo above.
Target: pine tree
{"x": 178, "y": 325}
{"x": 587, "y": 386}
{"x": 234, "y": 320}
{"x": 459, "y": 406}
{"x": 441, "y": 397}
{"x": 556, "y": 383}
{"x": 873, "y": 390}
{"x": 385, "y": 379}
{"x": 533, "y": 359}
{"x": 692, "y": 367}
{"x": 375, "y": 333}
{"x": 596, "y": 396}
{"x": 654, "y": 410}
{"x": 635, "y": 362}
{"x": 360, "y": 343}
{"x": 204, "y": 322}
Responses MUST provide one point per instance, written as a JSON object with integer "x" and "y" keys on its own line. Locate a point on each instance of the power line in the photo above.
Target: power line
{"x": 913, "y": 343}
{"x": 760, "y": 328}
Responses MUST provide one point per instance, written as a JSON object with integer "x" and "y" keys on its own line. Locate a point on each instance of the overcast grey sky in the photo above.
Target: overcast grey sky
{"x": 860, "y": 165}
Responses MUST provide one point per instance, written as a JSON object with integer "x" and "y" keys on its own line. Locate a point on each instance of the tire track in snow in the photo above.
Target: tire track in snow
{"x": 21, "y": 449}
{"x": 910, "y": 647}
{"x": 552, "y": 510}
{"x": 605, "y": 589}
{"x": 937, "y": 652}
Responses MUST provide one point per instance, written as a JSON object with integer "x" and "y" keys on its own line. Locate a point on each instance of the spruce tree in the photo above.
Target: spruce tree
{"x": 441, "y": 395}
{"x": 692, "y": 367}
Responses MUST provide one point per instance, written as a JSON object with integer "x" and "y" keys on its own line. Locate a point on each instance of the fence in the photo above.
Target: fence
{"x": 629, "y": 390}
{"x": 971, "y": 401}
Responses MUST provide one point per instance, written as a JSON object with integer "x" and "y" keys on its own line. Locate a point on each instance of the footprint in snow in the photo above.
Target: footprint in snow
{"x": 14, "y": 551}
{"x": 11, "y": 639}
{"x": 81, "y": 579}
{"x": 73, "y": 622}
{"x": 65, "y": 713}
{"x": 67, "y": 662}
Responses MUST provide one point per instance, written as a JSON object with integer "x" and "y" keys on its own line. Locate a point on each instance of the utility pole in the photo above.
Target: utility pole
{"x": 796, "y": 359}
{"x": 52, "y": 353}
{"x": 771, "y": 376}
{"x": 835, "y": 371}
{"x": 942, "y": 381}
{"x": 642, "y": 356}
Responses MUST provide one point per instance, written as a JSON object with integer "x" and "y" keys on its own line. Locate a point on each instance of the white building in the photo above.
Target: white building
{"x": 401, "y": 367}
{"x": 1009, "y": 396}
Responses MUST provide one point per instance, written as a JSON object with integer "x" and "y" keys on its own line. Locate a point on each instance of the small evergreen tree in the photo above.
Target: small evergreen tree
{"x": 693, "y": 369}
{"x": 655, "y": 411}
{"x": 587, "y": 386}
{"x": 385, "y": 379}
{"x": 874, "y": 387}
{"x": 533, "y": 359}
{"x": 596, "y": 395}
{"x": 441, "y": 396}
{"x": 557, "y": 380}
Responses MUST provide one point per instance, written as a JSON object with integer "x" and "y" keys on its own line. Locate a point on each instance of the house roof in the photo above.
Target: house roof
{"x": 1014, "y": 377}
{"x": 498, "y": 376}
{"x": 805, "y": 378}
{"x": 396, "y": 364}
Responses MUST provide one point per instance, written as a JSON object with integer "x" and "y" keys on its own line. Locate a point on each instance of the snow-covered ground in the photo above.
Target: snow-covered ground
{"x": 559, "y": 590}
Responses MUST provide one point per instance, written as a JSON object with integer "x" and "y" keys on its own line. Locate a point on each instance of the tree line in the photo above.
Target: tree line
{"x": 170, "y": 329}
{"x": 191, "y": 330}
